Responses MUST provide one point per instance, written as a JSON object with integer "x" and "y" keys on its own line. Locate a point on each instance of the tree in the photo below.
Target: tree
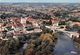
{"x": 62, "y": 23}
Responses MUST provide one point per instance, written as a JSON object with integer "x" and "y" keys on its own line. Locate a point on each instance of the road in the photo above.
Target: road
{"x": 64, "y": 45}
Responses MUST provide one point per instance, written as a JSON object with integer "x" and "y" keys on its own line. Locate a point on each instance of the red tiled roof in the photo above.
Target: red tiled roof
{"x": 76, "y": 23}
{"x": 30, "y": 19}
{"x": 17, "y": 25}
{"x": 54, "y": 20}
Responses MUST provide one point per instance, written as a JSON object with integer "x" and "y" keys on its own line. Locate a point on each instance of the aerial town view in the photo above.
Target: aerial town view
{"x": 39, "y": 28}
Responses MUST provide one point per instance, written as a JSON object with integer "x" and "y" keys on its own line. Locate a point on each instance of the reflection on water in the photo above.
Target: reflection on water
{"x": 64, "y": 45}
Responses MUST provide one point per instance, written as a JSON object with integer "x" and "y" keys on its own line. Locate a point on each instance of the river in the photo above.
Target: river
{"x": 64, "y": 45}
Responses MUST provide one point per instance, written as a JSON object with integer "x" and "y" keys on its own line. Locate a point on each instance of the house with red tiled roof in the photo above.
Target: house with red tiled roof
{"x": 76, "y": 23}
{"x": 23, "y": 21}
{"x": 17, "y": 26}
{"x": 1, "y": 27}
{"x": 55, "y": 21}
{"x": 30, "y": 19}
{"x": 15, "y": 19}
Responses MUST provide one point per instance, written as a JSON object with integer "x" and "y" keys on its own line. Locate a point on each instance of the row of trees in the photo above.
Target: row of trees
{"x": 30, "y": 44}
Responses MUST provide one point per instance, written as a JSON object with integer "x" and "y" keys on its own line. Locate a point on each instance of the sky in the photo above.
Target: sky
{"x": 43, "y": 1}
